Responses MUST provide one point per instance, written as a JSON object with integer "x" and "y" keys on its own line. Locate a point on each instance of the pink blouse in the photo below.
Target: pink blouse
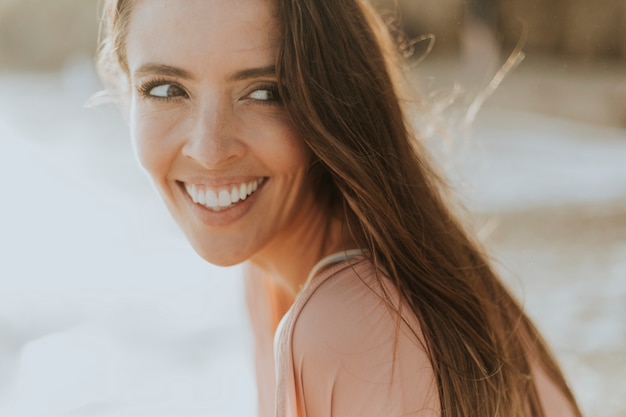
{"x": 337, "y": 352}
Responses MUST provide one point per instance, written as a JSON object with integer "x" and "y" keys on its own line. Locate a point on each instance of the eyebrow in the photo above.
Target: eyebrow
{"x": 167, "y": 70}
{"x": 160, "y": 69}
{"x": 269, "y": 71}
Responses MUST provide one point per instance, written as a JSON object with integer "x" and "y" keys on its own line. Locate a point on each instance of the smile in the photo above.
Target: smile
{"x": 222, "y": 198}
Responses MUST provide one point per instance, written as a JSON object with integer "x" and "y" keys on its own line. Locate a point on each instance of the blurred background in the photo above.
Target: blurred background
{"x": 105, "y": 310}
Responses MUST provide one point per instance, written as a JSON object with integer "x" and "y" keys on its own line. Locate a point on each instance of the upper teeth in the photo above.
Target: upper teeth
{"x": 224, "y": 197}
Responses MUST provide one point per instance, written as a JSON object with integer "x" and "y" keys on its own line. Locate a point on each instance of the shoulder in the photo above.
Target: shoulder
{"x": 344, "y": 311}
{"x": 349, "y": 343}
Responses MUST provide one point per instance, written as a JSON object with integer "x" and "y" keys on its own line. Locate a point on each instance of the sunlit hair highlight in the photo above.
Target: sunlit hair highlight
{"x": 111, "y": 62}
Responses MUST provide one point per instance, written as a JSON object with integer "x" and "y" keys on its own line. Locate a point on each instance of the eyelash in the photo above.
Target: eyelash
{"x": 145, "y": 88}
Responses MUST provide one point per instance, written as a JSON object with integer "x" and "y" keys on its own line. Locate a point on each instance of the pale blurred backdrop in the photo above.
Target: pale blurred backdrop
{"x": 105, "y": 310}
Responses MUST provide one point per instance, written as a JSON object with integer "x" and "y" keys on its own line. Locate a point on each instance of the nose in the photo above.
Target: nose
{"x": 212, "y": 138}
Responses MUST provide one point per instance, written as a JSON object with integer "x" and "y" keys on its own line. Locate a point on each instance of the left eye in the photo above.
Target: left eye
{"x": 265, "y": 94}
{"x": 166, "y": 90}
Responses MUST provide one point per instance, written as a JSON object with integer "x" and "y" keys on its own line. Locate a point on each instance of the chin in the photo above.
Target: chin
{"x": 222, "y": 262}
{"x": 220, "y": 257}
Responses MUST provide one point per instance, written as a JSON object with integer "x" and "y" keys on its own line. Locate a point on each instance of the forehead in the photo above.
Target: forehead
{"x": 201, "y": 33}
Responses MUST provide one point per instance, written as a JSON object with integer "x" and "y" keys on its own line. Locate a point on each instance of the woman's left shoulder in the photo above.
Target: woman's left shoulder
{"x": 349, "y": 340}
{"x": 353, "y": 307}
{"x": 347, "y": 307}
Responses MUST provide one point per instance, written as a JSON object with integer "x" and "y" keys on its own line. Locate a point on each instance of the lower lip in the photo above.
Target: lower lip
{"x": 223, "y": 217}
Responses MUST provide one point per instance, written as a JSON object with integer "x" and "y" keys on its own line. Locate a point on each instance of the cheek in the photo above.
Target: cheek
{"x": 289, "y": 152}
{"x": 149, "y": 156}
{"x": 153, "y": 141}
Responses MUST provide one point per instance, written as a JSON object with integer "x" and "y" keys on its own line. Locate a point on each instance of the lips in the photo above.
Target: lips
{"x": 224, "y": 197}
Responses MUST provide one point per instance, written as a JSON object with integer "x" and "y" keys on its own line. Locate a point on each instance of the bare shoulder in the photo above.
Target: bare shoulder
{"x": 346, "y": 313}
{"x": 348, "y": 342}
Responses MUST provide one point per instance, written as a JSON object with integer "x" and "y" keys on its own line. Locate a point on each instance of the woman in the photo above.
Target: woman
{"x": 274, "y": 133}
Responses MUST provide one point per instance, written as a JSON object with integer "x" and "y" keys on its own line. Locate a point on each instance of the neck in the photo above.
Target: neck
{"x": 289, "y": 259}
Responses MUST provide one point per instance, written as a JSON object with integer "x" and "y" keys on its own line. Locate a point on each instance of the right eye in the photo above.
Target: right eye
{"x": 166, "y": 91}
{"x": 161, "y": 90}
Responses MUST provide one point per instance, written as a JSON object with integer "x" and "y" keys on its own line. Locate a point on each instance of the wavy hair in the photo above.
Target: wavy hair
{"x": 336, "y": 71}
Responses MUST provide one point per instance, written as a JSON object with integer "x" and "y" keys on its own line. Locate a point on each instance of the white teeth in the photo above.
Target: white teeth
{"x": 234, "y": 195}
{"x": 201, "y": 198}
{"x": 211, "y": 198}
{"x": 218, "y": 200}
{"x": 224, "y": 198}
{"x": 191, "y": 190}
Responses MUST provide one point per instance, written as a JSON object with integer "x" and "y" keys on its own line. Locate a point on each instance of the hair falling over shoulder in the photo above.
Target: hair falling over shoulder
{"x": 336, "y": 67}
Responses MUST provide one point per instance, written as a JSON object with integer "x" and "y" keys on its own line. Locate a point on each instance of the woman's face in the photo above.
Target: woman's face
{"x": 209, "y": 127}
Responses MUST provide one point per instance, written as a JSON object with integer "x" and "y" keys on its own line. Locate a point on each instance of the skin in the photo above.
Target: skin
{"x": 224, "y": 125}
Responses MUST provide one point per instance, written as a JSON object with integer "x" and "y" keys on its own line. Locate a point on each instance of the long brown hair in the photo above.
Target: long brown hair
{"x": 335, "y": 69}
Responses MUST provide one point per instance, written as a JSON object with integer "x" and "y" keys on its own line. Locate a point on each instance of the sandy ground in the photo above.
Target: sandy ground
{"x": 106, "y": 311}
{"x": 565, "y": 254}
